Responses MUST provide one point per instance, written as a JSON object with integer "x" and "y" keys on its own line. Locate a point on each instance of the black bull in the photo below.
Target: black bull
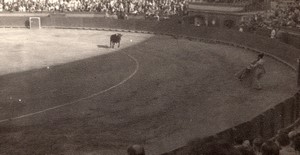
{"x": 115, "y": 39}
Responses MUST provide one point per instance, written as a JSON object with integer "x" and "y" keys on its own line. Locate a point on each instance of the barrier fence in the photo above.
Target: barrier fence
{"x": 266, "y": 125}
{"x": 283, "y": 116}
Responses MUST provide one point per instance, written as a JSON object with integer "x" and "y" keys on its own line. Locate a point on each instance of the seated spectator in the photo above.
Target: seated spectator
{"x": 220, "y": 148}
{"x": 246, "y": 143}
{"x": 51, "y": 8}
{"x": 284, "y": 143}
{"x": 1, "y": 7}
{"x": 257, "y": 143}
{"x": 245, "y": 148}
{"x": 156, "y": 16}
{"x": 269, "y": 148}
{"x": 292, "y": 135}
{"x": 7, "y": 7}
{"x": 238, "y": 142}
{"x": 136, "y": 150}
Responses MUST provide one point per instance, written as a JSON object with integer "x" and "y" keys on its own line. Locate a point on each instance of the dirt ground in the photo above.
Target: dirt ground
{"x": 66, "y": 92}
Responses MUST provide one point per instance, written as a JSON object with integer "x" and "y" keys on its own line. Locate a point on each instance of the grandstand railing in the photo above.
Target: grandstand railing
{"x": 282, "y": 116}
{"x": 242, "y": 4}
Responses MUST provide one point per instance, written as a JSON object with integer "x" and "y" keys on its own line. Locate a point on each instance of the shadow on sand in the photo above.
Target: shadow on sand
{"x": 103, "y": 46}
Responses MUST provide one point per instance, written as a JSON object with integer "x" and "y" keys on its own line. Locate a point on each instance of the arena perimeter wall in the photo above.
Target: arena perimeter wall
{"x": 284, "y": 115}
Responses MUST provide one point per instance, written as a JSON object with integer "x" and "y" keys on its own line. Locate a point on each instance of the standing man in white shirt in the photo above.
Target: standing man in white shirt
{"x": 273, "y": 34}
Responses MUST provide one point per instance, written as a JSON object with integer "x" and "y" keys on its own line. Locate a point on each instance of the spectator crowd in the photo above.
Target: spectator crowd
{"x": 134, "y": 7}
{"x": 282, "y": 144}
{"x": 279, "y": 16}
{"x": 286, "y": 16}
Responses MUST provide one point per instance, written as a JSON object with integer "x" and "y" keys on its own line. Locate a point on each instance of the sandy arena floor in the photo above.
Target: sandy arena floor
{"x": 66, "y": 92}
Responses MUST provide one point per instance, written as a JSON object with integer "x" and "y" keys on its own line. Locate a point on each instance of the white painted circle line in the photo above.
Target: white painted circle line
{"x": 81, "y": 99}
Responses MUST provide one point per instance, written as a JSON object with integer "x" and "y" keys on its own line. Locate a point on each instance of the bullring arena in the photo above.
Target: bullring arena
{"x": 64, "y": 91}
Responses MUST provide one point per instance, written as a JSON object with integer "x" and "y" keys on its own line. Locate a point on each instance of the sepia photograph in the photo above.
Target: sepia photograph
{"x": 149, "y": 77}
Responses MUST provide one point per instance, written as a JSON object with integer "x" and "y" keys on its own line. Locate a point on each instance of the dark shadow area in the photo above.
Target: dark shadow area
{"x": 71, "y": 82}
{"x": 103, "y": 46}
{"x": 229, "y": 24}
{"x": 27, "y": 25}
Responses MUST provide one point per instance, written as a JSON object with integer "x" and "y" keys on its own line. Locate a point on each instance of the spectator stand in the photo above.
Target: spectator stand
{"x": 122, "y": 9}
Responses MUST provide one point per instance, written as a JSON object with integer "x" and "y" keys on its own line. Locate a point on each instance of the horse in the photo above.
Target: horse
{"x": 115, "y": 39}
